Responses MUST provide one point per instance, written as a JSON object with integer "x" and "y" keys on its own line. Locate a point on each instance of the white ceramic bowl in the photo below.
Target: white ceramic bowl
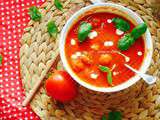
{"x": 111, "y": 8}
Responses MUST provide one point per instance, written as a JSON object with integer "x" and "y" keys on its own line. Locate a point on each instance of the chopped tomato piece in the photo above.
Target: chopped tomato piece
{"x": 105, "y": 59}
{"x": 86, "y": 58}
{"x": 77, "y": 64}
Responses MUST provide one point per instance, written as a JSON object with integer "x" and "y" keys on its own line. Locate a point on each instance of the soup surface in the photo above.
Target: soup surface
{"x": 100, "y": 48}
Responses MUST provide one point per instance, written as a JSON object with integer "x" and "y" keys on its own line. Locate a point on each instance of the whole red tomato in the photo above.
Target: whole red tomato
{"x": 61, "y": 86}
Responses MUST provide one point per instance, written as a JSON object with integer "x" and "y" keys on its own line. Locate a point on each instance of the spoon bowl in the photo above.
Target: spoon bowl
{"x": 147, "y": 78}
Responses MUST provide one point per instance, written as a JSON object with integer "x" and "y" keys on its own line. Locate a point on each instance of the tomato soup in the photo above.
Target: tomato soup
{"x": 100, "y": 48}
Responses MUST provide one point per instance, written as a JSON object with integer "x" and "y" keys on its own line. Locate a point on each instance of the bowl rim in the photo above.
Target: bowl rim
{"x": 144, "y": 66}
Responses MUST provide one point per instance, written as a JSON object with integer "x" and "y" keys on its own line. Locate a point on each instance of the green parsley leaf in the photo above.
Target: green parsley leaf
{"x": 121, "y": 24}
{"x": 83, "y": 31}
{"x": 1, "y": 59}
{"x": 109, "y": 75}
{"x": 49, "y": 74}
{"x": 115, "y": 115}
{"x": 52, "y": 29}
{"x": 34, "y": 13}
{"x": 58, "y": 4}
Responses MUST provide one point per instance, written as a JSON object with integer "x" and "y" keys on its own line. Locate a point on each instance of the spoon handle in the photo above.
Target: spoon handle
{"x": 97, "y": 1}
{"x": 147, "y": 78}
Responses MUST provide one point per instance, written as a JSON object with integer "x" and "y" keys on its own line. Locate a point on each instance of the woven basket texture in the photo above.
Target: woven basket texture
{"x": 38, "y": 52}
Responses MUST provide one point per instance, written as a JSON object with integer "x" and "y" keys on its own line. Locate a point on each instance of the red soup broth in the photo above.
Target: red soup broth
{"x": 105, "y": 42}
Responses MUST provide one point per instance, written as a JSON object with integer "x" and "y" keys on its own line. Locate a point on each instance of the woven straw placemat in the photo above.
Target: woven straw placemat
{"x": 38, "y": 51}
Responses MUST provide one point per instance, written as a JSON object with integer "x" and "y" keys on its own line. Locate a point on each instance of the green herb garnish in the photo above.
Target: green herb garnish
{"x": 104, "y": 117}
{"x": 139, "y": 30}
{"x": 121, "y": 24}
{"x": 34, "y": 13}
{"x": 83, "y": 31}
{"x": 49, "y": 74}
{"x": 115, "y": 115}
{"x": 58, "y": 4}
{"x": 109, "y": 75}
{"x": 1, "y": 59}
{"x": 125, "y": 42}
{"x": 128, "y": 40}
{"x": 52, "y": 29}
